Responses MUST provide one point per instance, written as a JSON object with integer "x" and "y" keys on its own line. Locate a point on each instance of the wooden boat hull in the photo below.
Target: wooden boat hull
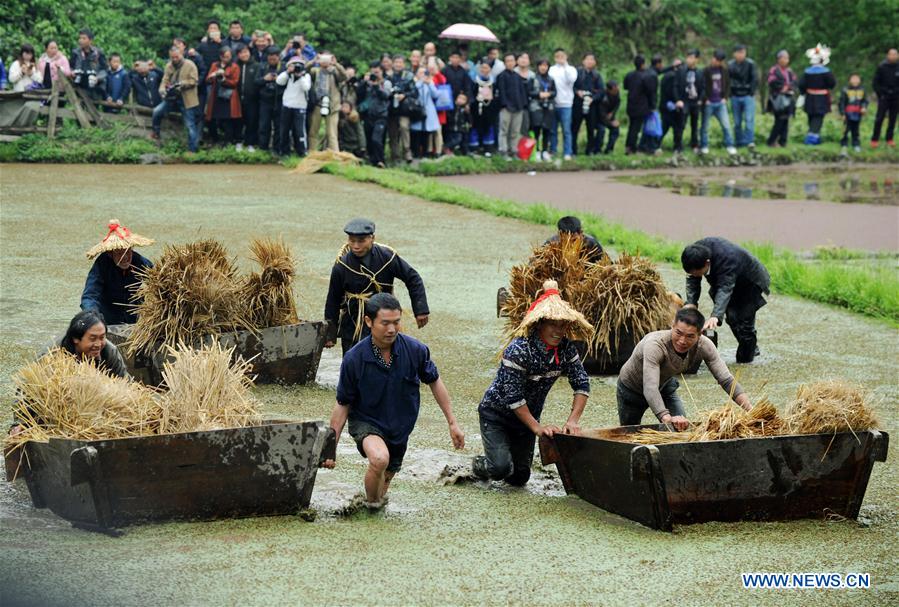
{"x": 775, "y": 478}
{"x": 281, "y": 355}
{"x": 101, "y": 485}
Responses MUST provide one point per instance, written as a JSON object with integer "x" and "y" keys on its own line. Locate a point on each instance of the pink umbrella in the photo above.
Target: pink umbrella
{"x": 469, "y": 31}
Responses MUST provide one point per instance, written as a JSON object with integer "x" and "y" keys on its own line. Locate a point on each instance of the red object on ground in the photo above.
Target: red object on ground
{"x": 525, "y": 147}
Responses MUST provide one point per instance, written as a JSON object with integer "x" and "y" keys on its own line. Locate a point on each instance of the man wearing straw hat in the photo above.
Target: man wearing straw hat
{"x": 540, "y": 353}
{"x": 378, "y": 392}
{"x": 362, "y": 269}
{"x": 115, "y": 275}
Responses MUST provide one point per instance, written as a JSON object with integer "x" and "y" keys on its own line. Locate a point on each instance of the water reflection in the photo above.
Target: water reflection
{"x": 869, "y": 186}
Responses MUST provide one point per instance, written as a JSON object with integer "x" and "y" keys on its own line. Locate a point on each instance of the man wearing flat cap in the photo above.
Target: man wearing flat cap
{"x": 364, "y": 268}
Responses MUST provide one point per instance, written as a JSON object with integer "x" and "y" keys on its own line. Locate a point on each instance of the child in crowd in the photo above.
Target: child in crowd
{"x": 459, "y": 126}
{"x": 118, "y": 83}
{"x": 853, "y": 105}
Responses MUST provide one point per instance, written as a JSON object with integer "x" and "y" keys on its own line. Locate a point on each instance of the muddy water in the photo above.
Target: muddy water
{"x": 435, "y": 542}
{"x": 832, "y": 184}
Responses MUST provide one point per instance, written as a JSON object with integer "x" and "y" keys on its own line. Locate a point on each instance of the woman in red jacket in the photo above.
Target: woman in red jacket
{"x": 222, "y": 102}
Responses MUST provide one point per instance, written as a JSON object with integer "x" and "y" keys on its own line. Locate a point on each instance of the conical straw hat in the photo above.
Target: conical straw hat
{"x": 551, "y": 306}
{"x": 118, "y": 238}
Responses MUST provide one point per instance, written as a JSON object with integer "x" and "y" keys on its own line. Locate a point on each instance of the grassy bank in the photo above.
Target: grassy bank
{"x": 873, "y": 291}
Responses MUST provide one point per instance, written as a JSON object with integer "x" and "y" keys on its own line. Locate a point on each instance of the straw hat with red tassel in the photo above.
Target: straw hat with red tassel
{"x": 119, "y": 238}
{"x": 550, "y": 306}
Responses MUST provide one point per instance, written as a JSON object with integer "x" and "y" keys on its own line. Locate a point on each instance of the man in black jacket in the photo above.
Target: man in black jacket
{"x": 588, "y": 92}
{"x": 512, "y": 96}
{"x": 89, "y": 66}
{"x": 886, "y": 85}
{"x": 641, "y": 86}
{"x": 744, "y": 81}
{"x": 374, "y": 93}
{"x": 269, "y": 98}
{"x": 398, "y": 124}
{"x": 364, "y": 268}
{"x": 145, "y": 84}
{"x": 671, "y": 105}
{"x": 737, "y": 282}
{"x": 249, "y": 98}
{"x": 691, "y": 83}
{"x": 608, "y": 106}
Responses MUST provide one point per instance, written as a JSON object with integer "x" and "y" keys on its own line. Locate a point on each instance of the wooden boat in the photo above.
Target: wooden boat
{"x": 102, "y": 485}
{"x": 289, "y": 354}
{"x": 774, "y": 478}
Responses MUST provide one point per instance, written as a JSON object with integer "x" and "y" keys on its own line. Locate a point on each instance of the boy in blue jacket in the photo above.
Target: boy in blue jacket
{"x": 853, "y": 105}
{"x": 118, "y": 83}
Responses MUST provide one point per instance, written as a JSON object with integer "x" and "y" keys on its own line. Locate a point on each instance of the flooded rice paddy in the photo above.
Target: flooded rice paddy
{"x": 437, "y": 542}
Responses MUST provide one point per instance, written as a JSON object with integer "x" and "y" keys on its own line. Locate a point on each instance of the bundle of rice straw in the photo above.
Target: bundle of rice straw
{"x": 60, "y": 397}
{"x": 206, "y": 390}
{"x": 193, "y": 291}
{"x": 315, "y": 161}
{"x": 730, "y": 421}
{"x": 830, "y": 407}
{"x": 269, "y": 293}
{"x": 626, "y": 296}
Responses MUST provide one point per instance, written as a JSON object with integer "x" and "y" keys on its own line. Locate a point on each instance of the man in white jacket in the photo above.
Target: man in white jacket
{"x": 564, "y": 76}
{"x": 297, "y": 83}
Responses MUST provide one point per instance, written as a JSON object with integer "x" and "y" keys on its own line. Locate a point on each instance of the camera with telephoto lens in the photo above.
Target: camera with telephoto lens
{"x": 173, "y": 93}
{"x": 588, "y": 99}
{"x": 326, "y": 105}
{"x": 83, "y": 75}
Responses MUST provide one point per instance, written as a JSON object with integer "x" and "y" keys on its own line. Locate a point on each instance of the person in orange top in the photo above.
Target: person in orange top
{"x": 223, "y": 104}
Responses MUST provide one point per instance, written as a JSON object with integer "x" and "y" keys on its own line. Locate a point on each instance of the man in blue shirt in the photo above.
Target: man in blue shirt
{"x": 510, "y": 411}
{"x": 378, "y": 392}
{"x": 115, "y": 275}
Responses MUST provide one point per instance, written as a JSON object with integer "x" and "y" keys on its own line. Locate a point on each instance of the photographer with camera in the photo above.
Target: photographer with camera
{"x": 398, "y": 132}
{"x": 298, "y": 47}
{"x": 588, "y": 91}
{"x": 178, "y": 90}
{"x": 374, "y": 94}
{"x": 89, "y": 66}
{"x": 326, "y": 80}
{"x": 270, "y": 100}
{"x": 295, "y": 102}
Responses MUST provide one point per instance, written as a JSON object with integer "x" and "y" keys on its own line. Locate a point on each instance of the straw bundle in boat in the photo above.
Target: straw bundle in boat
{"x": 730, "y": 421}
{"x": 206, "y": 390}
{"x": 829, "y": 407}
{"x": 61, "y": 397}
{"x": 192, "y": 292}
{"x": 824, "y": 407}
{"x": 269, "y": 292}
{"x": 626, "y": 296}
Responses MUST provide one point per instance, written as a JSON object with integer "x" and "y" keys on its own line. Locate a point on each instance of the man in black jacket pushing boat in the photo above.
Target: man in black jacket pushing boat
{"x": 364, "y": 268}
{"x": 737, "y": 283}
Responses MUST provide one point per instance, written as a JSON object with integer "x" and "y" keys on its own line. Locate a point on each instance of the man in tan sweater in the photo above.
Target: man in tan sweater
{"x": 648, "y": 379}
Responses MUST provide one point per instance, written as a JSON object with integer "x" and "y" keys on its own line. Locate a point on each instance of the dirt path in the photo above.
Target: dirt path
{"x": 796, "y": 224}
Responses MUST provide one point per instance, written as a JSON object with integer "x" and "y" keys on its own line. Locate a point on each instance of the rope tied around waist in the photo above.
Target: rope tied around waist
{"x": 366, "y": 294}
